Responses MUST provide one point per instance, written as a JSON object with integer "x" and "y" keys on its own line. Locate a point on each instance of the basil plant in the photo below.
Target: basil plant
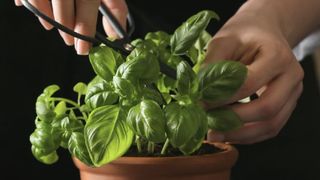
{"x": 131, "y": 104}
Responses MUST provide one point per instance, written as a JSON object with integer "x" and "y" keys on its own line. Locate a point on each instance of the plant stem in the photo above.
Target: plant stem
{"x": 165, "y": 147}
{"x": 66, "y": 100}
{"x": 70, "y": 102}
{"x": 138, "y": 144}
{"x": 79, "y": 99}
{"x": 150, "y": 147}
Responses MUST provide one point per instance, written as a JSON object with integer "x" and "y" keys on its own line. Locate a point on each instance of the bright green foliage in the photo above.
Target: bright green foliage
{"x": 131, "y": 103}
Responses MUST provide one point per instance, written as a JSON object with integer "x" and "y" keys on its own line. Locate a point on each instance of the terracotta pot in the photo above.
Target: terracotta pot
{"x": 215, "y": 166}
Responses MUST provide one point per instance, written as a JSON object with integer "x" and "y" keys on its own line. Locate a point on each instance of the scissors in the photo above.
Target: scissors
{"x": 122, "y": 45}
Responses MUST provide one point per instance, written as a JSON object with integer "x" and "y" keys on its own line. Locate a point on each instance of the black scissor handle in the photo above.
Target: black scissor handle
{"x": 122, "y": 45}
{"x": 119, "y": 44}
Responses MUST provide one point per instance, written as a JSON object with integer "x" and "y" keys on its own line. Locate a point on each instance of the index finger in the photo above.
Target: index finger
{"x": 120, "y": 10}
{"x": 85, "y": 23}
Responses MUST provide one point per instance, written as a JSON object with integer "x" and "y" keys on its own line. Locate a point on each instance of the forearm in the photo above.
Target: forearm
{"x": 295, "y": 18}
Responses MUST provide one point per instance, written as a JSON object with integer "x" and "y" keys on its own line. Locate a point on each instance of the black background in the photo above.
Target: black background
{"x": 32, "y": 58}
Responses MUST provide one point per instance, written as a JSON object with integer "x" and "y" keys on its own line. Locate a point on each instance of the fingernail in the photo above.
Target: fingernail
{"x": 76, "y": 44}
{"x": 82, "y": 48}
{"x": 215, "y": 137}
{"x": 45, "y": 24}
{"x": 18, "y": 3}
{"x": 69, "y": 41}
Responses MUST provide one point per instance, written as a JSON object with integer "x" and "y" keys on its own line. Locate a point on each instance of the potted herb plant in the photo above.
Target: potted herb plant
{"x": 132, "y": 121}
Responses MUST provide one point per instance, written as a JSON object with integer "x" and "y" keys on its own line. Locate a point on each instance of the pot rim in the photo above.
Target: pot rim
{"x": 227, "y": 149}
{"x": 133, "y": 160}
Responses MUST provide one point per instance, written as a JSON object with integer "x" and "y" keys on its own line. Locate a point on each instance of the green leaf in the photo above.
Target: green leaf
{"x": 94, "y": 81}
{"x": 44, "y": 158}
{"x": 197, "y": 52}
{"x": 107, "y": 135}
{"x": 142, "y": 47}
{"x": 143, "y": 67}
{"x": 44, "y": 107}
{"x": 44, "y": 139}
{"x": 200, "y": 60}
{"x": 60, "y": 108}
{"x": 50, "y": 90}
{"x": 123, "y": 87}
{"x": 160, "y": 38}
{"x": 105, "y": 61}
{"x": 66, "y": 125}
{"x": 165, "y": 84}
{"x": 221, "y": 80}
{"x": 197, "y": 140}
{"x": 149, "y": 93}
{"x": 80, "y": 88}
{"x": 187, "y": 34}
{"x": 147, "y": 120}
{"x": 202, "y": 41}
{"x": 223, "y": 119}
{"x": 42, "y": 124}
{"x": 77, "y": 148}
{"x": 182, "y": 123}
{"x": 187, "y": 82}
{"x": 100, "y": 94}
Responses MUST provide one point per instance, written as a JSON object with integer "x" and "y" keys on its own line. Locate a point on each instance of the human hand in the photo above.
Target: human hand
{"x": 82, "y": 18}
{"x": 273, "y": 73}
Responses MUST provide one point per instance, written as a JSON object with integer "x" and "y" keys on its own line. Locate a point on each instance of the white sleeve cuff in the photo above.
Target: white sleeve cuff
{"x": 307, "y": 46}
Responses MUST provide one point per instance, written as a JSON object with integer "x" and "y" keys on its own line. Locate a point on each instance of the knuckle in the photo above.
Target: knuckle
{"x": 284, "y": 56}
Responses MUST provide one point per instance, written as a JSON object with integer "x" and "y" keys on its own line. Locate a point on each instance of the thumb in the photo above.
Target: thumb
{"x": 221, "y": 48}
{"x": 120, "y": 11}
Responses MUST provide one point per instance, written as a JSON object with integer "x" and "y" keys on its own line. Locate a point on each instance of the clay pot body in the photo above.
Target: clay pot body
{"x": 215, "y": 166}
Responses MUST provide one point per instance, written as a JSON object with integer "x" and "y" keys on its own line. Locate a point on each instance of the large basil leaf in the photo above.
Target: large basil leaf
{"x": 221, "y": 80}
{"x": 187, "y": 34}
{"x": 197, "y": 140}
{"x": 187, "y": 82}
{"x": 223, "y": 119}
{"x": 144, "y": 67}
{"x": 100, "y": 94}
{"x": 77, "y": 148}
{"x": 105, "y": 61}
{"x": 182, "y": 123}
{"x": 147, "y": 120}
{"x": 107, "y": 135}
{"x": 124, "y": 87}
{"x": 41, "y": 156}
